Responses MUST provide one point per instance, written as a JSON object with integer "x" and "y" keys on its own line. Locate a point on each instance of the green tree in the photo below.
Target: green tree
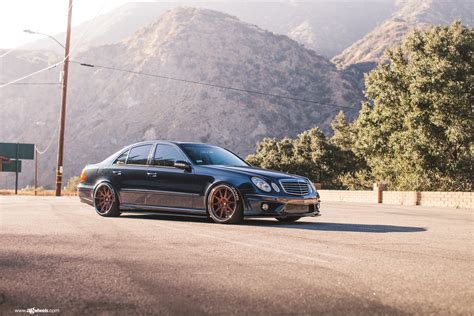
{"x": 310, "y": 154}
{"x": 343, "y": 135}
{"x": 273, "y": 154}
{"x": 416, "y": 133}
{"x": 351, "y": 170}
{"x": 313, "y": 156}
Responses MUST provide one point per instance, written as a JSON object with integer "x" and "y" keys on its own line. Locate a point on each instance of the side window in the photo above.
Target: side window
{"x": 166, "y": 155}
{"x": 139, "y": 155}
{"x": 122, "y": 158}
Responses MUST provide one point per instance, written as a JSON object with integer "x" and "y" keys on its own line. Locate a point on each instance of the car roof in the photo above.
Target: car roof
{"x": 166, "y": 142}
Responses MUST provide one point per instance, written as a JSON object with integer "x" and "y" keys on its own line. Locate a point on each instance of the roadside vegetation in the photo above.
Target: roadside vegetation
{"x": 72, "y": 184}
{"x": 39, "y": 192}
{"x": 69, "y": 189}
{"x": 415, "y": 131}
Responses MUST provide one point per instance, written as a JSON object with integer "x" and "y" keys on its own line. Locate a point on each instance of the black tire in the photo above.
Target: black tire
{"x": 288, "y": 219}
{"x": 106, "y": 201}
{"x": 224, "y": 205}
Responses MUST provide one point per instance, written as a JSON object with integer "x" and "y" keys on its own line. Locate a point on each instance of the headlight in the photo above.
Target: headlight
{"x": 261, "y": 184}
{"x": 312, "y": 186}
{"x": 275, "y": 187}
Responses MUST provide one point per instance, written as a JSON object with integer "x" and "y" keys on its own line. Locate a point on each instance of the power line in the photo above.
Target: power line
{"x": 36, "y": 72}
{"x": 60, "y": 62}
{"x": 210, "y": 85}
{"x": 53, "y": 136}
{"x": 30, "y": 75}
{"x": 32, "y": 83}
{"x": 8, "y": 52}
{"x": 20, "y": 46}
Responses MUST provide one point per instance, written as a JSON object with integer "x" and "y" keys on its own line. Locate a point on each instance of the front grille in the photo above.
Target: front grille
{"x": 295, "y": 187}
{"x": 296, "y": 209}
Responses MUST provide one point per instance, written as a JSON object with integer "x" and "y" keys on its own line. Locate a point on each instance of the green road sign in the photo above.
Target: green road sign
{"x": 25, "y": 151}
{"x": 10, "y": 166}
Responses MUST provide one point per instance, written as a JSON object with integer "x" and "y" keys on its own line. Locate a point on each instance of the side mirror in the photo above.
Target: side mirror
{"x": 180, "y": 164}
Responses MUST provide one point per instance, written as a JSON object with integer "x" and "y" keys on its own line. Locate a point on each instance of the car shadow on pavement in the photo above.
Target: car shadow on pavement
{"x": 321, "y": 226}
{"x": 340, "y": 227}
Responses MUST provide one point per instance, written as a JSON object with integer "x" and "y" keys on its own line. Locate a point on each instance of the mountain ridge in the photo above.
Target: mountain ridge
{"x": 411, "y": 14}
{"x": 109, "y": 109}
{"x": 334, "y": 24}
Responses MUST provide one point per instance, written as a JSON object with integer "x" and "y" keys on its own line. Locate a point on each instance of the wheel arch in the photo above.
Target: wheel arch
{"x": 101, "y": 181}
{"x": 216, "y": 184}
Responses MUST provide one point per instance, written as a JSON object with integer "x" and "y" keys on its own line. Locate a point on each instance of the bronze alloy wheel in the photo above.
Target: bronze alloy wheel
{"x": 224, "y": 204}
{"x": 104, "y": 200}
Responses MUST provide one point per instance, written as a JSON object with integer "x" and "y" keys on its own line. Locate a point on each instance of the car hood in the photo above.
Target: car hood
{"x": 252, "y": 171}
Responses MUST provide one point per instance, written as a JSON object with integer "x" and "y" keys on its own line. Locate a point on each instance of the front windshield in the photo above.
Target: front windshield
{"x": 211, "y": 155}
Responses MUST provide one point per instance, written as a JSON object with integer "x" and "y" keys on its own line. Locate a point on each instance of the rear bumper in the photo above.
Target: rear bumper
{"x": 281, "y": 206}
{"x": 85, "y": 193}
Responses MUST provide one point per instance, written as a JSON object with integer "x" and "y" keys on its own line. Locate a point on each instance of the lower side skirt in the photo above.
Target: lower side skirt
{"x": 204, "y": 215}
{"x": 161, "y": 209}
{"x": 171, "y": 214}
{"x": 281, "y": 215}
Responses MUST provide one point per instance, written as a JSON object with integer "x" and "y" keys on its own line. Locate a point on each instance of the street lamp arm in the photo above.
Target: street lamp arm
{"x": 51, "y": 37}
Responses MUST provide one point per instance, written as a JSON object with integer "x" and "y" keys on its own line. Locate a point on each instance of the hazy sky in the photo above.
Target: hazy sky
{"x": 46, "y": 16}
{"x": 50, "y": 16}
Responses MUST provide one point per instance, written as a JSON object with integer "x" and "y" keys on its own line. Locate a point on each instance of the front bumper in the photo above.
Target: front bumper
{"x": 281, "y": 206}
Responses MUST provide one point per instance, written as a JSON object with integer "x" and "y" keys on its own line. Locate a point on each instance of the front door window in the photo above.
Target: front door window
{"x": 165, "y": 156}
{"x": 172, "y": 186}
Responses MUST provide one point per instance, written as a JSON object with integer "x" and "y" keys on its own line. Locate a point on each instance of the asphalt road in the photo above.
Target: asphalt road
{"x": 359, "y": 259}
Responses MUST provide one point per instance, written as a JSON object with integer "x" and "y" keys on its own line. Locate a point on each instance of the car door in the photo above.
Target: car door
{"x": 170, "y": 187}
{"x": 131, "y": 177}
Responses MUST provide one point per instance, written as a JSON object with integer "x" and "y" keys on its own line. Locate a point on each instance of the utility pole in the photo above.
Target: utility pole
{"x": 16, "y": 167}
{"x": 36, "y": 169}
{"x": 59, "y": 169}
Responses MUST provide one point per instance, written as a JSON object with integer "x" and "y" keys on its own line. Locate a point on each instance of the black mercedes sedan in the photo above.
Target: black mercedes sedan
{"x": 193, "y": 179}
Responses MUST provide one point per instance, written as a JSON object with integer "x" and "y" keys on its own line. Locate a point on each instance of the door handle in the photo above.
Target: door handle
{"x": 117, "y": 172}
{"x": 152, "y": 174}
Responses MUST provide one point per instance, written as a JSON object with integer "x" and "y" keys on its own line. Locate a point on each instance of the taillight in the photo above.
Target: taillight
{"x": 83, "y": 176}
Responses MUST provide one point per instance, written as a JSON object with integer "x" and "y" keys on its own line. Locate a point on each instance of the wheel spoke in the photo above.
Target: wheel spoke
{"x": 223, "y": 203}
{"x": 104, "y": 199}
